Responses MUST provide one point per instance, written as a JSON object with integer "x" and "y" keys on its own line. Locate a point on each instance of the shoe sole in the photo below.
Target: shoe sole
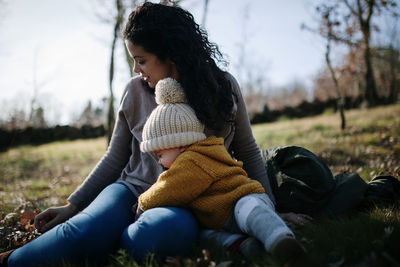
{"x": 287, "y": 250}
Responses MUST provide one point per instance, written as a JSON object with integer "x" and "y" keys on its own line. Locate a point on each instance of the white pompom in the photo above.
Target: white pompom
{"x": 169, "y": 91}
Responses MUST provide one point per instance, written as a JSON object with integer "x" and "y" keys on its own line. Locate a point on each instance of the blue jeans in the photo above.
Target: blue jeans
{"x": 106, "y": 225}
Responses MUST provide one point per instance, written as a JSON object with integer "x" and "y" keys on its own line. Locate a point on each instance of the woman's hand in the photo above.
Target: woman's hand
{"x": 294, "y": 219}
{"x": 55, "y": 215}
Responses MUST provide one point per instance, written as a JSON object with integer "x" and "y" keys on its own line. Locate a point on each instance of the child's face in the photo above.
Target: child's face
{"x": 167, "y": 156}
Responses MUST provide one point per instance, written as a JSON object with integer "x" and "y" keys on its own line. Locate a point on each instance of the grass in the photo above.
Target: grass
{"x": 370, "y": 145}
{"x": 46, "y": 174}
{"x": 354, "y": 240}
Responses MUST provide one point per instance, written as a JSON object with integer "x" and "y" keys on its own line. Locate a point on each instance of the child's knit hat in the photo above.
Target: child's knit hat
{"x": 172, "y": 123}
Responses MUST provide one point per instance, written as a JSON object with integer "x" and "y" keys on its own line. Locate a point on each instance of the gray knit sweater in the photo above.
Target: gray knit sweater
{"x": 124, "y": 162}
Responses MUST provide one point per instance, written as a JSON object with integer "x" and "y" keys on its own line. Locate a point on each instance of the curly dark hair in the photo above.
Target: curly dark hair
{"x": 171, "y": 32}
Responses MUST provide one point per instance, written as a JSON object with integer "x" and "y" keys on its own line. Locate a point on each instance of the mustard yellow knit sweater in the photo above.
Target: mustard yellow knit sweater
{"x": 204, "y": 179}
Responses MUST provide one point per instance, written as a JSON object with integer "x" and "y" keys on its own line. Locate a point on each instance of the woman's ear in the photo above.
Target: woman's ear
{"x": 173, "y": 71}
{"x": 182, "y": 148}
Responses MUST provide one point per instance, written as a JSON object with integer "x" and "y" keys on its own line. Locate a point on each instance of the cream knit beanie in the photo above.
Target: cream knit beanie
{"x": 172, "y": 123}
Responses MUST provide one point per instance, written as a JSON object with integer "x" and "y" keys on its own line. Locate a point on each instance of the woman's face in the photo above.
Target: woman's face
{"x": 149, "y": 66}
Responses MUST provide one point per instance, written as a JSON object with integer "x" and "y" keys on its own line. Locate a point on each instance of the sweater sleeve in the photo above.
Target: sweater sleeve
{"x": 244, "y": 144}
{"x": 175, "y": 187}
{"x": 109, "y": 168}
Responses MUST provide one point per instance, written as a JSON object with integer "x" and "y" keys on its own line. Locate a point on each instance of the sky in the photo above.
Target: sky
{"x": 62, "y": 49}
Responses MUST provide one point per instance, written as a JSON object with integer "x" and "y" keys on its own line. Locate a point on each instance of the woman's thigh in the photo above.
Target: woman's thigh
{"x": 92, "y": 233}
{"x": 164, "y": 231}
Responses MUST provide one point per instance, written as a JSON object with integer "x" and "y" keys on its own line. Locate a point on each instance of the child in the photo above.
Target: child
{"x": 202, "y": 176}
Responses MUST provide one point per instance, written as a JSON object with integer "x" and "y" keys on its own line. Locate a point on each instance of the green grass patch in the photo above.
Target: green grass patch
{"x": 328, "y": 111}
{"x": 319, "y": 128}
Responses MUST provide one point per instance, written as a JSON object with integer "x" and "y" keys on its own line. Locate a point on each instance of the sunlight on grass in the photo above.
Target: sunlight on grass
{"x": 47, "y": 173}
{"x": 370, "y": 139}
{"x": 51, "y": 160}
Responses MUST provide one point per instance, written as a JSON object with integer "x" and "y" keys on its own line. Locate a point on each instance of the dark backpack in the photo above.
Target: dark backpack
{"x": 302, "y": 183}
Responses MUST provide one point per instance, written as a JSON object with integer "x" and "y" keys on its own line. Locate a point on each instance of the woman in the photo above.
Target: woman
{"x": 163, "y": 41}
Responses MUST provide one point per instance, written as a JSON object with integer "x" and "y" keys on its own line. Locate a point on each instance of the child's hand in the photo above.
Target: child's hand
{"x": 294, "y": 219}
{"x": 137, "y": 210}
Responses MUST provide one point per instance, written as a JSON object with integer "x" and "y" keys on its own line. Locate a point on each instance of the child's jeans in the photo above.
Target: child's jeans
{"x": 254, "y": 215}
{"x": 106, "y": 225}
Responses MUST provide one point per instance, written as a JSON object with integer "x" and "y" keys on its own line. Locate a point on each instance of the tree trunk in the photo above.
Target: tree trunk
{"x": 370, "y": 94}
{"x": 117, "y": 28}
{"x": 110, "y": 113}
{"x": 394, "y": 82}
{"x": 339, "y": 97}
{"x": 203, "y": 21}
{"x": 129, "y": 61}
